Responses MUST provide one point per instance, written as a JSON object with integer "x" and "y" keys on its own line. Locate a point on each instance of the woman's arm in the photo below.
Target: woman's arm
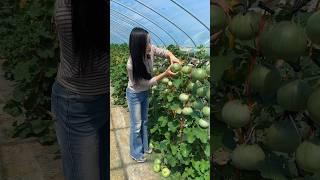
{"x": 166, "y": 54}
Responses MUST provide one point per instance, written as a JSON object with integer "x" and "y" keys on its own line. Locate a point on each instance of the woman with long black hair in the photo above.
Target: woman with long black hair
{"x": 80, "y": 99}
{"x": 139, "y": 67}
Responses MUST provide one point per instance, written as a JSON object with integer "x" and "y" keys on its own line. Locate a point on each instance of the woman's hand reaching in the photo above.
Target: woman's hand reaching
{"x": 173, "y": 60}
{"x": 168, "y": 72}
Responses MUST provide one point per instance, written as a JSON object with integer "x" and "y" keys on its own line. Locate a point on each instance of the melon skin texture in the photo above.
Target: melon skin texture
{"x": 313, "y": 28}
{"x": 198, "y": 74}
{"x": 203, "y": 123}
{"x": 247, "y": 157}
{"x": 288, "y": 41}
{"x": 308, "y": 156}
{"x": 313, "y": 106}
{"x": 282, "y": 137}
{"x": 265, "y": 81}
{"x": 235, "y": 114}
{"x": 245, "y": 27}
{"x": 218, "y": 18}
{"x": 293, "y": 96}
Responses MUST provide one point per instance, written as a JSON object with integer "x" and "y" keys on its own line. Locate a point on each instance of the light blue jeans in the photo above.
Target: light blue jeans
{"x": 80, "y": 124}
{"x": 138, "y": 108}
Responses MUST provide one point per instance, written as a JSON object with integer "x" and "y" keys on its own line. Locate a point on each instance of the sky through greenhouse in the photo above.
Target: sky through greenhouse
{"x": 179, "y": 22}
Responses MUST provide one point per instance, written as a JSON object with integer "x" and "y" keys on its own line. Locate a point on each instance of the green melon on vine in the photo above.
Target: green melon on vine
{"x": 288, "y": 41}
{"x": 201, "y": 92}
{"x": 313, "y": 27}
{"x": 265, "y": 81}
{"x": 247, "y": 157}
{"x": 236, "y": 114}
{"x": 203, "y": 123}
{"x": 176, "y": 67}
{"x": 293, "y": 96}
{"x": 313, "y": 106}
{"x": 198, "y": 74}
{"x": 282, "y": 136}
{"x": 245, "y": 26}
{"x": 308, "y": 156}
{"x": 218, "y": 19}
{"x": 186, "y": 69}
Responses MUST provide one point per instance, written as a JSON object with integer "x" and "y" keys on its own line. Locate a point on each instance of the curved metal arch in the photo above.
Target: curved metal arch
{"x": 120, "y": 24}
{"x": 168, "y": 21}
{"x": 134, "y": 26}
{"x": 176, "y": 3}
{"x": 117, "y": 28}
{"x": 147, "y": 19}
{"x": 140, "y": 25}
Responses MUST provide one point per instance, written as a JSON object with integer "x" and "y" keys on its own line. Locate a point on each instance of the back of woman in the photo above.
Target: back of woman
{"x": 79, "y": 101}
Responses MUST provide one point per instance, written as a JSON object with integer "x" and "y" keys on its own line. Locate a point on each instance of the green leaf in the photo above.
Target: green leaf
{"x": 38, "y": 126}
{"x": 177, "y": 83}
{"x": 170, "y": 97}
{"x": 13, "y": 108}
{"x": 163, "y": 121}
{"x": 189, "y": 135}
{"x": 173, "y": 126}
{"x": 201, "y": 134}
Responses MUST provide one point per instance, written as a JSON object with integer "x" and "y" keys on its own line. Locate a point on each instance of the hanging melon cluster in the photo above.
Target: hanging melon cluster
{"x": 282, "y": 40}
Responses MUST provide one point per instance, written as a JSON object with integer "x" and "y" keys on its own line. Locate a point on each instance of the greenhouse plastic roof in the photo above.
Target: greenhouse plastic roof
{"x": 185, "y": 23}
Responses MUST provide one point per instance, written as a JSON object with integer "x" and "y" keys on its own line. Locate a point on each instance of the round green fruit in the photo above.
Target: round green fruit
{"x": 170, "y": 83}
{"x": 201, "y": 92}
{"x": 197, "y": 105}
{"x": 198, "y": 74}
{"x": 313, "y": 106}
{"x": 293, "y": 96}
{"x": 156, "y": 167}
{"x": 208, "y": 70}
{"x": 165, "y": 80}
{"x": 190, "y": 86}
{"x": 186, "y": 69}
{"x": 265, "y": 81}
{"x": 236, "y": 114}
{"x": 175, "y": 67}
{"x": 313, "y": 27}
{"x": 289, "y": 41}
{"x": 247, "y": 157}
{"x": 206, "y": 111}
{"x": 165, "y": 172}
{"x": 157, "y": 161}
{"x": 203, "y": 123}
{"x": 187, "y": 111}
{"x": 178, "y": 110}
{"x": 282, "y": 136}
{"x": 245, "y": 27}
{"x": 183, "y": 97}
{"x": 308, "y": 156}
{"x": 218, "y": 18}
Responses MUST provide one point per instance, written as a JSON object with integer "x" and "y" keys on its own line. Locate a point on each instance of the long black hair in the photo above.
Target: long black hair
{"x": 89, "y": 29}
{"x": 138, "y": 41}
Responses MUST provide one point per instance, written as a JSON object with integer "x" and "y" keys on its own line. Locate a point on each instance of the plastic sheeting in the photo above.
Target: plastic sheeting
{"x": 179, "y": 22}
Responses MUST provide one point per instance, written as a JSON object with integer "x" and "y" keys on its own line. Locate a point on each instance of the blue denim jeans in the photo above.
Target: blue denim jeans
{"x": 138, "y": 108}
{"x": 80, "y": 124}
